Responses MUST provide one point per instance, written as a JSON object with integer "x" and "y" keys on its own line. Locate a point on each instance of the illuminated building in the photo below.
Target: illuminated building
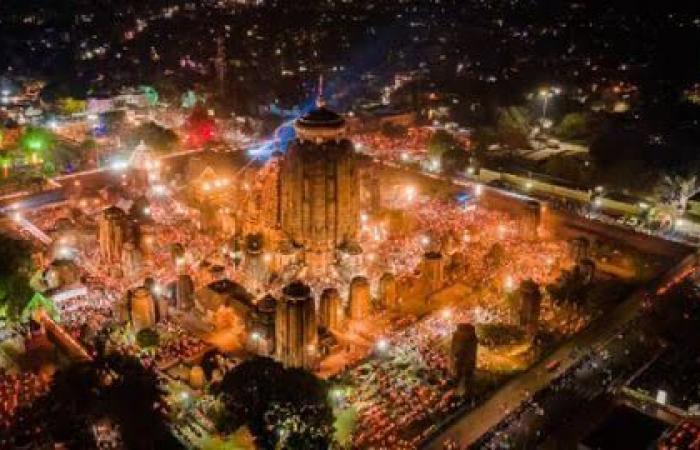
{"x": 388, "y": 296}
{"x": 261, "y": 336}
{"x": 296, "y": 333}
{"x": 131, "y": 260}
{"x": 184, "y": 292}
{"x": 111, "y": 234}
{"x": 580, "y": 248}
{"x": 319, "y": 188}
{"x": 433, "y": 271}
{"x": 530, "y": 299}
{"x": 359, "y": 302}
{"x": 462, "y": 363}
{"x": 255, "y": 264}
{"x": 142, "y": 308}
{"x": 329, "y": 313}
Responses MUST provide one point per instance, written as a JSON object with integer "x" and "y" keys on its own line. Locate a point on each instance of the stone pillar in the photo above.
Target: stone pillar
{"x": 329, "y": 310}
{"x": 530, "y": 223}
{"x": 463, "y": 350}
{"x": 433, "y": 271}
{"x": 147, "y": 241}
{"x": 296, "y": 333}
{"x": 143, "y": 313}
{"x": 387, "y": 291}
{"x": 184, "y": 292}
{"x": 111, "y": 234}
{"x": 530, "y": 298}
{"x": 579, "y": 248}
{"x": 359, "y": 302}
{"x": 131, "y": 260}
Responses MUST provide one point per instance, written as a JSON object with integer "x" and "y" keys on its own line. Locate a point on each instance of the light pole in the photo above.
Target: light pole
{"x": 546, "y": 94}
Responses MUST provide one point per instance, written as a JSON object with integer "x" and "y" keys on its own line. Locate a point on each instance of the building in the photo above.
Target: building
{"x": 329, "y": 314}
{"x": 296, "y": 332}
{"x": 359, "y": 301}
{"x": 143, "y": 309}
{"x": 433, "y": 271}
{"x": 319, "y": 188}
{"x": 111, "y": 234}
{"x": 388, "y": 295}
{"x": 530, "y": 299}
{"x": 463, "y": 356}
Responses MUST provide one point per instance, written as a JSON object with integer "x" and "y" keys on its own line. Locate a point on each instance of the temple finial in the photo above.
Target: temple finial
{"x": 320, "y": 102}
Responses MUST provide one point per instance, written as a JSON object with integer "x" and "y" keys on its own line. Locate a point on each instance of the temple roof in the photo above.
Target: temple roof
{"x": 321, "y": 117}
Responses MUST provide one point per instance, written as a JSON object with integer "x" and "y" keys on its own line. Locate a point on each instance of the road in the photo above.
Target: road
{"x": 470, "y": 427}
{"x": 92, "y": 178}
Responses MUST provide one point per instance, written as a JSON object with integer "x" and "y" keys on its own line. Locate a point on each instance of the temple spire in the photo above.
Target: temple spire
{"x": 320, "y": 101}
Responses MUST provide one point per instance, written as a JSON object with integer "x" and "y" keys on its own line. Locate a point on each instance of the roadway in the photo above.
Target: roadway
{"x": 471, "y": 426}
{"x": 92, "y": 179}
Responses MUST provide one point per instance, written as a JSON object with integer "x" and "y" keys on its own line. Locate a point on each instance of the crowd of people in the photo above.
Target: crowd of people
{"x": 412, "y": 146}
{"x": 18, "y": 390}
{"x": 405, "y": 387}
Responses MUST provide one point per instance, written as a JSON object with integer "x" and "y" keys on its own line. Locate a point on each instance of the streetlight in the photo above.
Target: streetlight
{"x": 545, "y": 94}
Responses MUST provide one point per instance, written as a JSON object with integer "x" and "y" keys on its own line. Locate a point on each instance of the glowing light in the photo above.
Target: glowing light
{"x": 383, "y": 345}
{"x": 478, "y": 190}
{"x": 64, "y": 252}
{"x": 17, "y": 217}
{"x": 147, "y": 210}
{"x": 119, "y": 165}
{"x": 159, "y": 189}
{"x": 446, "y": 314}
{"x": 267, "y": 257}
{"x": 508, "y": 284}
{"x": 206, "y": 186}
{"x": 364, "y": 217}
{"x": 410, "y": 193}
{"x": 424, "y": 240}
{"x": 255, "y": 336}
{"x": 502, "y": 230}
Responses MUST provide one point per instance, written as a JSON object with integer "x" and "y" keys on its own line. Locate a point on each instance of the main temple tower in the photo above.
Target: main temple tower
{"x": 319, "y": 187}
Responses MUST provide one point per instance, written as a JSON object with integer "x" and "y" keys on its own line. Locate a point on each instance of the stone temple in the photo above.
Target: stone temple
{"x": 319, "y": 189}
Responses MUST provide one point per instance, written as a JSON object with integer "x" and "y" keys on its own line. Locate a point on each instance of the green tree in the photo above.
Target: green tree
{"x": 284, "y": 408}
{"x": 391, "y": 130}
{"x": 158, "y": 138}
{"x": 15, "y": 270}
{"x": 574, "y": 126}
{"x": 440, "y": 142}
{"x": 513, "y": 127}
{"x": 454, "y": 160}
{"x": 115, "y": 389}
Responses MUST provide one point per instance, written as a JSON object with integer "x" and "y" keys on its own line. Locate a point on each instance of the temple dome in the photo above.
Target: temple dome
{"x": 320, "y": 124}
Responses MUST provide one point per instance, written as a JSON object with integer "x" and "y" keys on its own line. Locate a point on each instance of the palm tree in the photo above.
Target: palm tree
{"x": 677, "y": 190}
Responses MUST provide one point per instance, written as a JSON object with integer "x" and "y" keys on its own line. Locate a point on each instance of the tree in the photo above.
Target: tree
{"x": 113, "y": 389}
{"x": 284, "y": 408}
{"x": 677, "y": 190}
{"x": 513, "y": 127}
{"x": 391, "y": 130}
{"x": 454, "y": 160}
{"x": 15, "y": 270}
{"x": 36, "y": 143}
{"x": 574, "y": 126}
{"x": 153, "y": 135}
{"x": 440, "y": 142}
